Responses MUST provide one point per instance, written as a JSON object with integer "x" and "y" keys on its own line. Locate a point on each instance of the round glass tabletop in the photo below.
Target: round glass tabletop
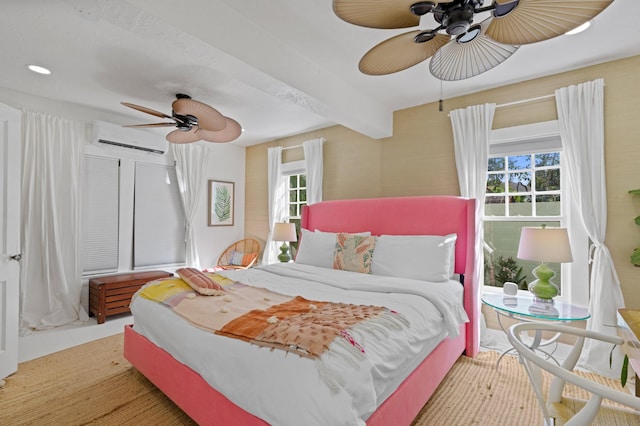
{"x": 529, "y": 306}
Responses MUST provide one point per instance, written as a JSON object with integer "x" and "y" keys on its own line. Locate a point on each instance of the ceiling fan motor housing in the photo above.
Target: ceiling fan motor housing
{"x": 458, "y": 20}
{"x": 186, "y": 122}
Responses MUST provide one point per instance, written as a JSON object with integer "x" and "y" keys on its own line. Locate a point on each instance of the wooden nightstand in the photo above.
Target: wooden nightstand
{"x": 629, "y": 330}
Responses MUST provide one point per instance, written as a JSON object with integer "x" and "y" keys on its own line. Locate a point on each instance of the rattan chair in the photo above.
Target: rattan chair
{"x": 534, "y": 362}
{"x": 242, "y": 254}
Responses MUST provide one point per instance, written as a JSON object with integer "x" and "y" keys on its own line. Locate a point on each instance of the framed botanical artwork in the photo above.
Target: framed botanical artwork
{"x": 221, "y": 203}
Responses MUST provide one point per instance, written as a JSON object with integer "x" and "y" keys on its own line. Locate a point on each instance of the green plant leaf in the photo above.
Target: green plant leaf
{"x": 635, "y": 257}
{"x": 637, "y": 220}
{"x": 611, "y": 356}
{"x": 223, "y": 204}
{"x": 625, "y": 371}
{"x": 634, "y": 191}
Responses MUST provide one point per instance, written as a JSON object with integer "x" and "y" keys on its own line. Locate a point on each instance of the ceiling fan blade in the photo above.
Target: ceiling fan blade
{"x": 208, "y": 118}
{"x": 151, "y": 125}
{"x": 232, "y": 131}
{"x": 181, "y": 136}
{"x": 532, "y": 21}
{"x": 147, "y": 110}
{"x": 399, "y": 53}
{"x": 379, "y": 14}
{"x": 469, "y": 54}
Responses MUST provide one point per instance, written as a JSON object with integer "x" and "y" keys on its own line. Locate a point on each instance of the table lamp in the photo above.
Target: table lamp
{"x": 544, "y": 245}
{"x": 284, "y": 232}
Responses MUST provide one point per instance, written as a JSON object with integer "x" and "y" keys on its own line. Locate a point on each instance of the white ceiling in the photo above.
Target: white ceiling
{"x": 279, "y": 67}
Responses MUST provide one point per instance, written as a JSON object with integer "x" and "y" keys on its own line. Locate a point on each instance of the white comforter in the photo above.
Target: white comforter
{"x": 285, "y": 389}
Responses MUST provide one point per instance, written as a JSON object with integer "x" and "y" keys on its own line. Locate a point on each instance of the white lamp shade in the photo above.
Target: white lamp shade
{"x": 284, "y": 232}
{"x": 545, "y": 245}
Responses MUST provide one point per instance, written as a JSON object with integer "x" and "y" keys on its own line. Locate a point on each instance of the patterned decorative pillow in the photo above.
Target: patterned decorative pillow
{"x": 354, "y": 252}
{"x": 200, "y": 282}
{"x": 242, "y": 259}
{"x": 236, "y": 258}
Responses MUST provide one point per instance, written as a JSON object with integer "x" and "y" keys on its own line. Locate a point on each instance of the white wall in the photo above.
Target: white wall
{"x": 228, "y": 164}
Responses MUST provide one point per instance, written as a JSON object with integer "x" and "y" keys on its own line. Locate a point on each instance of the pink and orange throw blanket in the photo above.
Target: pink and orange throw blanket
{"x": 269, "y": 319}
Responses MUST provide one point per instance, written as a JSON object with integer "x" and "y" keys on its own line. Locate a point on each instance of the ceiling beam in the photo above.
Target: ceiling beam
{"x": 243, "y": 49}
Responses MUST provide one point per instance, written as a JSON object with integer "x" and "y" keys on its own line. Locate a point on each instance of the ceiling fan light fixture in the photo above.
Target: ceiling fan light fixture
{"x": 424, "y": 36}
{"x": 503, "y": 9}
{"x": 473, "y": 32}
{"x": 422, "y": 7}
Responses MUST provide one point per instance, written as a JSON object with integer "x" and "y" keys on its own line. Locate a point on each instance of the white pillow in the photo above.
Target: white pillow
{"x": 318, "y": 248}
{"x": 419, "y": 257}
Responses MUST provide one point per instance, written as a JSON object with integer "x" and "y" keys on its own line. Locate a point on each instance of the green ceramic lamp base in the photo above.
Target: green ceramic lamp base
{"x": 543, "y": 288}
{"x": 284, "y": 256}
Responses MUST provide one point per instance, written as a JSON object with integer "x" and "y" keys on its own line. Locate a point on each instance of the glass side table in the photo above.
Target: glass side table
{"x": 525, "y": 308}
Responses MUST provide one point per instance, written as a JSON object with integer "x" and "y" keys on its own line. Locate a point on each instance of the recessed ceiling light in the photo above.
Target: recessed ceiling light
{"x": 579, "y": 29}
{"x": 39, "y": 69}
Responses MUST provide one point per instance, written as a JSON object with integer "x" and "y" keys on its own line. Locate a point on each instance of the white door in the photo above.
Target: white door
{"x": 10, "y": 232}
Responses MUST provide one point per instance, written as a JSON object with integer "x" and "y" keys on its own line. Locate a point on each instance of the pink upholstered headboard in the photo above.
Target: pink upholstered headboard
{"x": 423, "y": 215}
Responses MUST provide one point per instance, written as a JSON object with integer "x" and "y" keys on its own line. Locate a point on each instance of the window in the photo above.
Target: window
{"x": 100, "y": 214}
{"x": 527, "y": 186}
{"x": 133, "y": 214}
{"x": 522, "y": 190}
{"x": 159, "y": 222}
{"x": 297, "y": 199}
{"x": 295, "y": 174}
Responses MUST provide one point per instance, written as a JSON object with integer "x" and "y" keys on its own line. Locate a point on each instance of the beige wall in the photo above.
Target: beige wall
{"x": 419, "y": 158}
{"x": 352, "y": 169}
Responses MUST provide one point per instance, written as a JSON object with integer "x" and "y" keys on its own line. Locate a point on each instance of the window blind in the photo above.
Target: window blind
{"x": 159, "y": 220}
{"x": 101, "y": 214}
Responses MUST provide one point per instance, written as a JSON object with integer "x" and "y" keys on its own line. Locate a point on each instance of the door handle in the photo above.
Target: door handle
{"x": 16, "y": 257}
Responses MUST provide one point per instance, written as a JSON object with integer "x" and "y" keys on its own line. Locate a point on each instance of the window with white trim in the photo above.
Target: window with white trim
{"x": 527, "y": 186}
{"x": 133, "y": 215}
{"x": 522, "y": 190}
{"x": 296, "y": 188}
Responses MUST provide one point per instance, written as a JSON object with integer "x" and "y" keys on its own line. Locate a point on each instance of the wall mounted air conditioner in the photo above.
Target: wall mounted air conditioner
{"x": 127, "y": 137}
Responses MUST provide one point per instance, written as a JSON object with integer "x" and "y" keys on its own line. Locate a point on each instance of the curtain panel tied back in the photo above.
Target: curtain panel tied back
{"x": 191, "y": 167}
{"x": 581, "y": 121}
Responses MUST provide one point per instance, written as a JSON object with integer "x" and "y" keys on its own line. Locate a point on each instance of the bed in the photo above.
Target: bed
{"x": 398, "y": 389}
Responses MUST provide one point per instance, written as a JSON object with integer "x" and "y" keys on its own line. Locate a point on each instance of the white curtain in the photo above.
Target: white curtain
{"x": 581, "y": 121}
{"x": 191, "y": 168}
{"x": 52, "y": 172}
{"x": 277, "y": 201}
{"x": 313, "y": 164}
{"x": 471, "y": 135}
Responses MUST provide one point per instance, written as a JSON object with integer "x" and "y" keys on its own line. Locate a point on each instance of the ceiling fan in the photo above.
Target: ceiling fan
{"x": 458, "y": 47}
{"x": 193, "y": 120}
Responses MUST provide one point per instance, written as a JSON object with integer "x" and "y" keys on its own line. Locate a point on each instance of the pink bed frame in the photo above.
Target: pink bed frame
{"x": 425, "y": 215}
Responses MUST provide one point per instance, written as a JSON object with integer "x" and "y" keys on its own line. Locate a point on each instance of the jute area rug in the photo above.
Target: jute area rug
{"x": 93, "y": 384}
